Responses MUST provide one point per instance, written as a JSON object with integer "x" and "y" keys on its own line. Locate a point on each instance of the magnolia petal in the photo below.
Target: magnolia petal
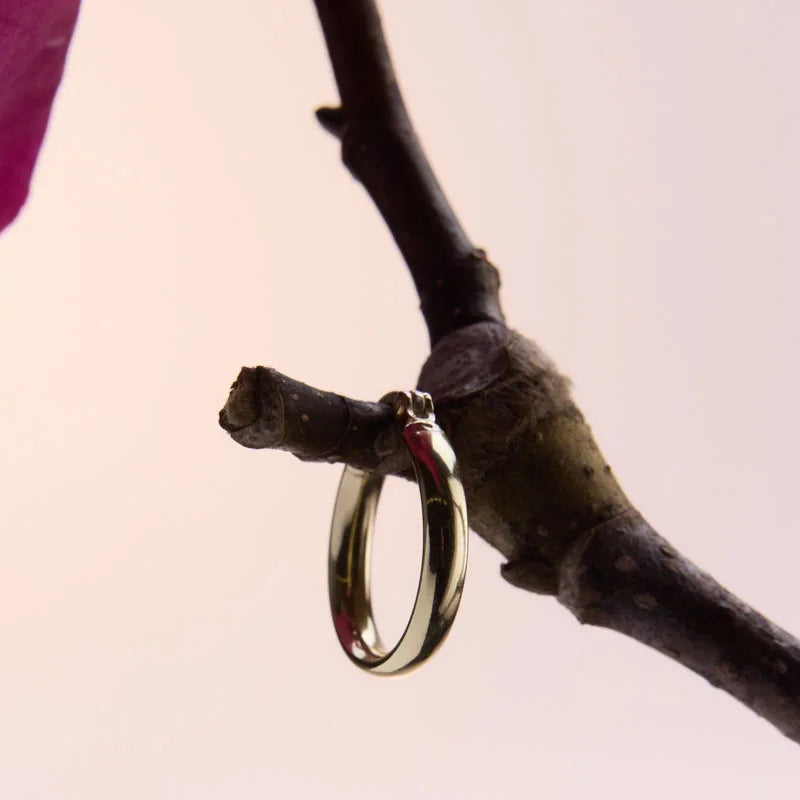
{"x": 34, "y": 37}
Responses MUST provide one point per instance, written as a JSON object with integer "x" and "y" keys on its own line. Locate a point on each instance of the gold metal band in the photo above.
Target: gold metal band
{"x": 444, "y": 552}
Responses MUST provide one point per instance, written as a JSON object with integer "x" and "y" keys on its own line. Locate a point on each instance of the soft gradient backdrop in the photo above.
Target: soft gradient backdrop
{"x": 632, "y": 168}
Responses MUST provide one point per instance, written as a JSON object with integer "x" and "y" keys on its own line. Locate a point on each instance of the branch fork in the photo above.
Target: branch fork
{"x": 538, "y": 488}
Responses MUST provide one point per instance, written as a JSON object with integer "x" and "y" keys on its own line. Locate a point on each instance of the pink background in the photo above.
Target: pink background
{"x": 633, "y": 170}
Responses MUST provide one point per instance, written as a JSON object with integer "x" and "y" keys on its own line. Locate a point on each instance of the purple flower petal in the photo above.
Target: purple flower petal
{"x": 34, "y": 37}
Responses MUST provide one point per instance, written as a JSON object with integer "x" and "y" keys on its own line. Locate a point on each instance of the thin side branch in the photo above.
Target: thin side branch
{"x": 268, "y": 409}
{"x": 456, "y": 284}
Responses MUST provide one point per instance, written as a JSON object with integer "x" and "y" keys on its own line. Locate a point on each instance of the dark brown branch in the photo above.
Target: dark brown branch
{"x": 539, "y": 490}
{"x": 456, "y": 284}
{"x": 268, "y": 409}
{"x": 623, "y": 575}
{"x": 537, "y": 486}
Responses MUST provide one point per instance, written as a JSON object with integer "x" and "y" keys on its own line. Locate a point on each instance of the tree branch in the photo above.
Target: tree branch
{"x": 268, "y": 409}
{"x": 624, "y": 576}
{"x": 456, "y": 284}
{"x": 539, "y": 491}
{"x": 537, "y": 486}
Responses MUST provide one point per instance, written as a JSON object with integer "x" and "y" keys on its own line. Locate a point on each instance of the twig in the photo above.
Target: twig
{"x": 456, "y": 284}
{"x": 537, "y": 486}
{"x": 268, "y": 409}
